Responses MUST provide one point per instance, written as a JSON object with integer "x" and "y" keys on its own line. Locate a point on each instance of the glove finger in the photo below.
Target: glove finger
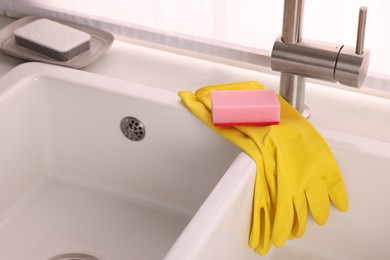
{"x": 300, "y": 215}
{"x": 283, "y": 221}
{"x": 260, "y": 235}
{"x": 284, "y": 214}
{"x": 265, "y": 239}
{"x": 337, "y": 191}
{"x": 333, "y": 180}
{"x": 261, "y": 225}
{"x": 318, "y": 201}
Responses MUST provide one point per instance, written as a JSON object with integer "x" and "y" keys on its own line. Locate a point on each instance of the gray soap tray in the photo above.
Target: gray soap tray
{"x": 100, "y": 43}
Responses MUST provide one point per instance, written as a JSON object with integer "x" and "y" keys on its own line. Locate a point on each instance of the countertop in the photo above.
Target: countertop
{"x": 332, "y": 108}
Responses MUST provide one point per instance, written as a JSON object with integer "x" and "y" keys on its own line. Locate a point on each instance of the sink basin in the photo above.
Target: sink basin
{"x": 72, "y": 183}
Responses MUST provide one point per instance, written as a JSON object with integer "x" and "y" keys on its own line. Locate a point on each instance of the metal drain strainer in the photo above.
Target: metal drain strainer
{"x": 73, "y": 256}
{"x": 132, "y": 128}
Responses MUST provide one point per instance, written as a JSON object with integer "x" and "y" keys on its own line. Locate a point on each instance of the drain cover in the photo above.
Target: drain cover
{"x": 73, "y": 256}
{"x": 132, "y": 128}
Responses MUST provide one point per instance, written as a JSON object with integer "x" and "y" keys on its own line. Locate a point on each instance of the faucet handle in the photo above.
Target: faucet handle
{"x": 361, "y": 30}
{"x": 352, "y": 62}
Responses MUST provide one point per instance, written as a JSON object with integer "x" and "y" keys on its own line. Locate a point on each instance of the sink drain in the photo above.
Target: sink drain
{"x": 73, "y": 256}
{"x": 132, "y": 128}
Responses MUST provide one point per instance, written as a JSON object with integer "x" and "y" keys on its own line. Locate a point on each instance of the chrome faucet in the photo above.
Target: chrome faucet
{"x": 298, "y": 58}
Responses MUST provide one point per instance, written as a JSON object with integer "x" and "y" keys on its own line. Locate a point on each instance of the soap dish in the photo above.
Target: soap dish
{"x": 100, "y": 43}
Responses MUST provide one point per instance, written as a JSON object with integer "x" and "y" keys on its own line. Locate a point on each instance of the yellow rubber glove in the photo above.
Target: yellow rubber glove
{"x": 260, "y": 235}
{"x": 300, "y": 168}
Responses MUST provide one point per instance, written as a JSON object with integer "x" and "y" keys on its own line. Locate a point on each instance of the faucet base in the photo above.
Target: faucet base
{"x": 306, "y": 112}
{"x": 292, "y": 89}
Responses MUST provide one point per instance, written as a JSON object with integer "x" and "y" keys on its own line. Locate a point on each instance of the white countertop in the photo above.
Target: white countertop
{"x": 332, "y": 108}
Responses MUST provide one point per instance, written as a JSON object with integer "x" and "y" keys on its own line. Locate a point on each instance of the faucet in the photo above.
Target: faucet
{"x": 298, "y": 59}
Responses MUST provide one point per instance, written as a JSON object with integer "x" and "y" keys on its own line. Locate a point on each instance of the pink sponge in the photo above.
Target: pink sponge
{"x": 245, "y": 107}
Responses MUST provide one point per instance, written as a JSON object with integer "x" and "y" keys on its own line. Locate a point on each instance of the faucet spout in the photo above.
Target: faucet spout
{"x": 292, "y": 87}
{"x": 292, "y": 21}
{"x": 297, "y": 58}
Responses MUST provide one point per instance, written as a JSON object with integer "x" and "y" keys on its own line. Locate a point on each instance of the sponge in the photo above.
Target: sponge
{"x": 245, "y": 107}
{"x": 52, "y": 39}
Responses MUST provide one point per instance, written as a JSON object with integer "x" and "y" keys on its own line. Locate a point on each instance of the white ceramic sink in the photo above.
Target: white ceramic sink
{"x": 70, "y": 182}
